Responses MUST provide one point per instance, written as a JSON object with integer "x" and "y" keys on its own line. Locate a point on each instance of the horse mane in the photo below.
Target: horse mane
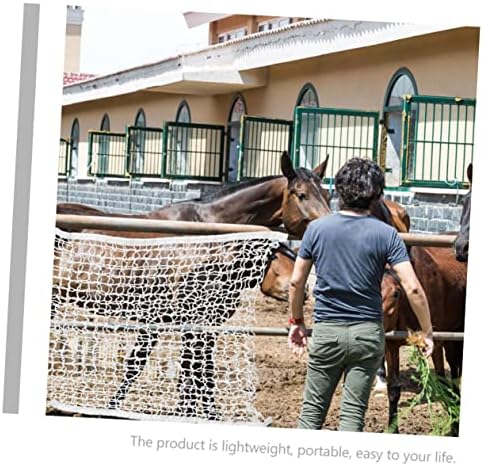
{"x": 227, "y": 190}
{"x": 304, "y": 174}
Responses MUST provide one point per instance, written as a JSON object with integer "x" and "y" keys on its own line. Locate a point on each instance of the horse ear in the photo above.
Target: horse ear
{"x": 287, "y": 167}
{"x": 320, "y": 169}
{"x": 469, "y": 172}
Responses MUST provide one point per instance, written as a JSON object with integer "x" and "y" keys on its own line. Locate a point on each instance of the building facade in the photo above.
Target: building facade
{"x": 401, "y": 94}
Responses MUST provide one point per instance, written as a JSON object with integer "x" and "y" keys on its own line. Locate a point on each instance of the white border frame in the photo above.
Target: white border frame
{"x": 58, "y": 440}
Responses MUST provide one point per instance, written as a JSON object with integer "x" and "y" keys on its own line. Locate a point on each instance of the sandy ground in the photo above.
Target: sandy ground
{"x": 281, "y": 379}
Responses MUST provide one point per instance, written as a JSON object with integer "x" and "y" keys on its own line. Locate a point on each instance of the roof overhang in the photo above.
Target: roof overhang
{"x": 178, "y": 81}
{"x": 243, "y": 63}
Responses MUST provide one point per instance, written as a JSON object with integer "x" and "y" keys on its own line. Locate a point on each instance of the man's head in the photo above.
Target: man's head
{"x": 358, "y": 183}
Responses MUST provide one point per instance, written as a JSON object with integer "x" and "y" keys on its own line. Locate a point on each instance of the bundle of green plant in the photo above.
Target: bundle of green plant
{"x": 434, "y": 389}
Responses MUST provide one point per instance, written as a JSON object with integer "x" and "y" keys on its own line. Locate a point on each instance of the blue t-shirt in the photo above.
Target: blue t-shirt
{"x": 350, "y": 254}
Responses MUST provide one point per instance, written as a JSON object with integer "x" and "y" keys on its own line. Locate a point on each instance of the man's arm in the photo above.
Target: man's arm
{"x": 297, "y": 337}
{"x": 297, "y": 287}
{"x": 416, "y": 297}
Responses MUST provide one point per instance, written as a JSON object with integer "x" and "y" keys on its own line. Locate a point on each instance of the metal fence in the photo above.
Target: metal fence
{"x": 438, "y": 137}
{"x": 107, "y": 154}
{"x": 145, "y": 151}
{"x": 262, "y": 142}
{"x": 340, "y": 133}
{"x": 64, "y": 157}
{"x": 193, "y": 151}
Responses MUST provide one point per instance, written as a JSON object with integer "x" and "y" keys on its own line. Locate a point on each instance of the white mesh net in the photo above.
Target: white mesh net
{"x": 156, "y": 328}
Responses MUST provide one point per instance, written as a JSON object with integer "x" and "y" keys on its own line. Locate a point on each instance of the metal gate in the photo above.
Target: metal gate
{"x": 340, "y": 133}
{"x": 193, "y": 151}
{"x": 64, "y": 157}
{"x": 107, "y": 154}
{"x": 145, "y": 151}
{"x": 262, "y": 142}
{"x": 438, "y": 138}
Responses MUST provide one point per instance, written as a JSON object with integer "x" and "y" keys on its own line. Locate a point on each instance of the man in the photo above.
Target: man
{"x": 350, "y": 250}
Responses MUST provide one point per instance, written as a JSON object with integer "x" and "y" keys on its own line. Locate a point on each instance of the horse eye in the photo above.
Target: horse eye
{"x": 396, "y": 294}
{"x": 301, "y": 196}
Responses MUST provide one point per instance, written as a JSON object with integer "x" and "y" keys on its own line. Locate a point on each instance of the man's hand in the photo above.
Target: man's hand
{"x": 297, "y": 338}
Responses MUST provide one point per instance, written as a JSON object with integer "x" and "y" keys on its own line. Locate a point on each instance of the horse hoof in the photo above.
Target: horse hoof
{"x": 213, "y": 415}
{"x": 380, "y": 386}
{"x": 184, "y": 411}
{"x": 113, "y": 404}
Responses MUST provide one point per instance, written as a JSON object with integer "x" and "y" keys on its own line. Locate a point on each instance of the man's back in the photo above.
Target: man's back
{"x": 350, "y": 253}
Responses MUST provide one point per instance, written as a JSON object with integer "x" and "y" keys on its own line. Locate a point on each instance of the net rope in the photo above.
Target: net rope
{"x": 143, "y": 328}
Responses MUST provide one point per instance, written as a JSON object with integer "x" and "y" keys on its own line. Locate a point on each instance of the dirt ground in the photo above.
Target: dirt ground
{"x": 281, "y": 378}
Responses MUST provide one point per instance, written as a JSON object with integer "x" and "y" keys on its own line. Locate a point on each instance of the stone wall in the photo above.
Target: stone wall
{"x": 430, "y": 213}
{"x": 123, "y": 196}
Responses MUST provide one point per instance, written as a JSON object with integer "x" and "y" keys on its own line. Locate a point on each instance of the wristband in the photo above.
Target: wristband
{"x": 293, "y": 321}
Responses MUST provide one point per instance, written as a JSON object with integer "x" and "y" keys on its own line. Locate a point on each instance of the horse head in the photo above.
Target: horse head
{"x": 276, "y": 281}
{"x": 462, "y": 240}
{"x": 304, "y": 198}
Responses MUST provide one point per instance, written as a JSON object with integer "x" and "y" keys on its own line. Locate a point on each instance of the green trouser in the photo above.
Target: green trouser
{"x": 352, "y": 349}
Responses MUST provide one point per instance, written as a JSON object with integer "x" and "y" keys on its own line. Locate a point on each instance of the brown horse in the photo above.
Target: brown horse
{"x": 462, "y": 240}
{"x": 443, "y": 279}
{"x": 292, "y": 200}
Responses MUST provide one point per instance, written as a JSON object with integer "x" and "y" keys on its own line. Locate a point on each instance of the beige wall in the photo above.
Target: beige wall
{"x": 72, "y": 48}
{"x": 442, "y": 64}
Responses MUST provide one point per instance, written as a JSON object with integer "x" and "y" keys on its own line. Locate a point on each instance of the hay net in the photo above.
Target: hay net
{"x": 144, "y": 328}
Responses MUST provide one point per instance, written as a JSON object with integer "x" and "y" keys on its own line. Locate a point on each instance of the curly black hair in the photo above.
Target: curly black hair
{"x": 358, "y": 183}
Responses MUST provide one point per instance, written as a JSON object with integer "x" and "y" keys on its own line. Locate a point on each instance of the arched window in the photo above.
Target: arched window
{"x": 237, "y": 110}
{"x": 105, "y": 123}
{"x": 74, "y": 148}
{"x": 104, "y": 145}
{"x": 307, "y": 96}
{"x": 308, "y": 154}
{"x": 138, "y": 144}
{"x": 183, "y": 114}
{"x": 182, "y": 137}
{"x": 401, "y": 83}
{"x": 140, "y": 119}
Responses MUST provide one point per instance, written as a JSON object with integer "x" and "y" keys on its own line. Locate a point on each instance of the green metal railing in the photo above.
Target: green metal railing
{"x": 107, "y": 154}
{"x": 64, "y": 157}
{"x": 438, "y": 137}
{"x": 193, "y": 151}
{"x": 262, "y": 142}
{"x": 145, "y": 151}
{"x": 340, "y": 133}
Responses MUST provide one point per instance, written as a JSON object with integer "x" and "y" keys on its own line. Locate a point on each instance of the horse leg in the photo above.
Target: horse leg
{"x": 134, "y": 365}
{"x": 381, "y": 382}
{"x": 454, "y": 356}
{"x": 393, "y": 384}
{"x": 207, "y": 381}
{"x": 186, "y": 389}
{"x": 438, "y": 360}
{"x": 197, "y": 378}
